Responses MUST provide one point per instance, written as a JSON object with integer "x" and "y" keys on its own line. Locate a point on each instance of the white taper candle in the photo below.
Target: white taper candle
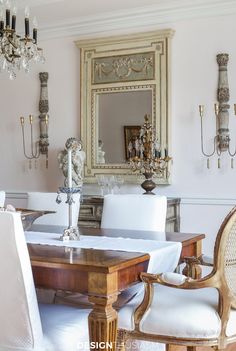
{"x": 69, "y": 174}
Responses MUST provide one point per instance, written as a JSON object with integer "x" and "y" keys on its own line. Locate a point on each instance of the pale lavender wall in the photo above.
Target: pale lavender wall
{"x": 21, "y": 97}
{"x": 194, "y": 81}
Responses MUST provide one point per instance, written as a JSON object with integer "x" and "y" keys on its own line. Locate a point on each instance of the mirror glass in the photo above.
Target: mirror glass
{"x": 117, "y": 114}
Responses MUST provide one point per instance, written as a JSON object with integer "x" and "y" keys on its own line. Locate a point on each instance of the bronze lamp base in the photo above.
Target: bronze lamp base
{"x": 148, "y": 185}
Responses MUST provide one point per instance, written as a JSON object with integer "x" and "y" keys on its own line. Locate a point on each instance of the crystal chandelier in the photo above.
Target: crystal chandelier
{"x": 145, "y": 156}
{"x": 17, "y": 52}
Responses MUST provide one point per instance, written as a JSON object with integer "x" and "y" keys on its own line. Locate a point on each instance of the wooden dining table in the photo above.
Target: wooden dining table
{"x": 101, "y": 274}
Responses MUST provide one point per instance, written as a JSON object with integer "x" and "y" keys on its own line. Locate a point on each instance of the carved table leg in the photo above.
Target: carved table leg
{"x": 103, "y": 318}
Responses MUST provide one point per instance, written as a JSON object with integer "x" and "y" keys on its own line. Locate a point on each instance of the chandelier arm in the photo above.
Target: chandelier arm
{"x": 8, "y": 59}
{"x": 202, "y": 148}
{"x": 12, "y": 43}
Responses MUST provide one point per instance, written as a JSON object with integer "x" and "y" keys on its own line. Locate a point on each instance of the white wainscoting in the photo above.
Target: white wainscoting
{"x": 16, "y": 199}
{"x": 204, "y": 215}
{"x": 197, "y": 215}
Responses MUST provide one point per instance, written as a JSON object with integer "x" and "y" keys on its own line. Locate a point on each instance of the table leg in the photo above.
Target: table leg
{"x": 103, "y": 318}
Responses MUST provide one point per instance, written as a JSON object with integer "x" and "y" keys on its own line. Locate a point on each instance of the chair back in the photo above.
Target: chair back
{"x": 47, "y": 201}
{"x": 19, "y": 318}
{"x": 2, "y": 198}
{"x": 134, "y": 212}
{"x": 225, "y": 254}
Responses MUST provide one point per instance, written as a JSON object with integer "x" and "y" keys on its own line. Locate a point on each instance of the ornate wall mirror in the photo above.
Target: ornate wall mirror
{"x": 122, "y": 79}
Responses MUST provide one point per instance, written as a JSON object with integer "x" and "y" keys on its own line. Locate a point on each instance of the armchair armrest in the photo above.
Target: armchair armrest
{"x": 193, "y": 264}
{"x": 203, "y": 260}
{"x": 175, "y": 280}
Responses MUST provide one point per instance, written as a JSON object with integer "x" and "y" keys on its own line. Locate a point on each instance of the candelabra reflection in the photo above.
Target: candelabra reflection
{"x": 145, "y": 156}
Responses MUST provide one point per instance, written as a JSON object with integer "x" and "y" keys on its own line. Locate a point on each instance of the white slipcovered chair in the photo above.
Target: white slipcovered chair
{"x": 2, "y": 198}
{"x": 47, "y": 201}
{"x": 25, "y": 325}
{"x": 135, "y": 212}
{"x": 184, "y": 311}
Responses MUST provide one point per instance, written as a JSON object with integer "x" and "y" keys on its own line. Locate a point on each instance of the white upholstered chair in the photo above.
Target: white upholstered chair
{"x": 25, "y": 325}
{"x": 2, "y": 198}
{"x": 135, "y": 212}
{"x": 47, "y": 201}
{"x": 190, "y": 312}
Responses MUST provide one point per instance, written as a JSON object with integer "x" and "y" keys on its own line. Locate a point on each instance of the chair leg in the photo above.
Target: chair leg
{"x": 121, "y": 339}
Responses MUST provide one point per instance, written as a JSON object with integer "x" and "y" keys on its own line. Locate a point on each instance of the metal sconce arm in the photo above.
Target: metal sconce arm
{"x": 39, "y": 147}
{"x": 222, "y": 137}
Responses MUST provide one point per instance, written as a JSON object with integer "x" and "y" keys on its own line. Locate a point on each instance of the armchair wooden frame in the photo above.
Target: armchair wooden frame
{"x": 222, "y": 278}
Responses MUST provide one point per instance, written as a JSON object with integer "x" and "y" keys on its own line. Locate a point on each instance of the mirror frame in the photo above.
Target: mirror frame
{"x": 153, "y": 46}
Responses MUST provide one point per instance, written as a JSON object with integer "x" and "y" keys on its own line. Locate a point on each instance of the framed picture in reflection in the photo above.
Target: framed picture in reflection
{"x": 131, "y": 134}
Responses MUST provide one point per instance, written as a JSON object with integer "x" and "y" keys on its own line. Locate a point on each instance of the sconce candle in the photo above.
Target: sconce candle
{"x": 69, "y": 170}
{"x": 27, "y": 30}
{"x": 7, "y": 18}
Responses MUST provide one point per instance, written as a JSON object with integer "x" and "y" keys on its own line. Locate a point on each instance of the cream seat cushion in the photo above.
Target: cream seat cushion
{"x": 179, "y": 313}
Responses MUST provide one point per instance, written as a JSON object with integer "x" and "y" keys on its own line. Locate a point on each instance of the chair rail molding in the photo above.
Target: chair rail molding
{"x": 208, "y": 201}
{"x": 11, "y": 195}
{"x": 16, "y": 195}
{"x": 139, "y": 18}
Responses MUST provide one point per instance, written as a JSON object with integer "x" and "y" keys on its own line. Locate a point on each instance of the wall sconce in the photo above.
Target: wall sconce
{"x": 222, "y": 137}
{"x": 38, "y": 147}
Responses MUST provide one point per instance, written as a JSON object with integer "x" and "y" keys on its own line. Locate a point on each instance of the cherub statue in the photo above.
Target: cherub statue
{"x": 77, "y": 158}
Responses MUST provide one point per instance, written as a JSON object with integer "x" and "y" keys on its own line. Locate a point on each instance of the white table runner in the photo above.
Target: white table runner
{"x": 164, "y": 255}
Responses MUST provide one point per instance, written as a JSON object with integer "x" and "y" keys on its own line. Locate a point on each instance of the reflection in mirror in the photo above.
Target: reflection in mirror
{"x": 100, "y": 152}
{"x": 115, "y": 111}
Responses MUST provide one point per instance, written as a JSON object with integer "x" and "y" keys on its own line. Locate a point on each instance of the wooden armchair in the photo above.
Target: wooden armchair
{"x": 184, "y": 311}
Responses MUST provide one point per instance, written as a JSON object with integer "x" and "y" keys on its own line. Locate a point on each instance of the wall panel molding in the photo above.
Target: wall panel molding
{"x": 16, "y": 195}
{"x": 208, "y": 201}
{"x": 184, "y": 200}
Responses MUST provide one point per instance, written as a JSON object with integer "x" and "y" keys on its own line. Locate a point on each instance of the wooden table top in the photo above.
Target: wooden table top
{"x": 99, "y": 260}
{"x": 105, "y": 261}
{"x": 184, "y": 238}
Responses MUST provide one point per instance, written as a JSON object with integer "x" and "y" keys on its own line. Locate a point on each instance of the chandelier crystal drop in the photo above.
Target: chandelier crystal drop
{"x": 17, "y": 52}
